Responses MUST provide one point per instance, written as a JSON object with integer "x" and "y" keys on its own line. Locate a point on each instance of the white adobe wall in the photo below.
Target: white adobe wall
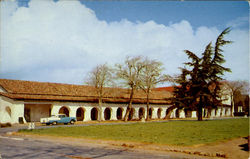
{"x": 226, "y": 99}
{"x": 17, "y": 110}
{"x": 4, "y": 116}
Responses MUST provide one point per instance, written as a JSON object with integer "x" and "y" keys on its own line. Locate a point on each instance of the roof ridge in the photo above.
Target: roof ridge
{"x": 1, "y": 79}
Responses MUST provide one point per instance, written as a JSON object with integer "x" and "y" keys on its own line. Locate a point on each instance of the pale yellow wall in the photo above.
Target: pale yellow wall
{"x": 38, "y": 111}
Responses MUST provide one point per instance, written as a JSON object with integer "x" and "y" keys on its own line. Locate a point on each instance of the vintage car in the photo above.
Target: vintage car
{"x": 60, "y": 118}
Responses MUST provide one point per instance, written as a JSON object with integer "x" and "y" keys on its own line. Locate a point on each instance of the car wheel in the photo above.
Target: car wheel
{"x": 72, "y": 122}
{"x": 54, "y": 123}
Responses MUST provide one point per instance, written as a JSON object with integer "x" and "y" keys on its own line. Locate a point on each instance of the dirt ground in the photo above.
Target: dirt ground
{"x": 233, "y": 149}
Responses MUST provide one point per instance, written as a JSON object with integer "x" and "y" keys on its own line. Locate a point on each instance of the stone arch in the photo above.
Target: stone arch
{"x": 107, "y": 113}
{"x": 204, "y": 112}
{"x": 94, "y": 113}
{"x": 80, "y": 113}
{"x": 159, "y": 113}
{"x": 119, "y": 113}
{"x": 131, "y": 114}
{"x": 188, "y": 112}
{"x": 150, "y": 113}
{"x": 226, "y": 112}
{"x": 141, "y": 113}
{"x": 168, "y": 111}
{"x": 64, "y": 110}
{"x": 8, "y": 110}
{"x": 177, "y": 113}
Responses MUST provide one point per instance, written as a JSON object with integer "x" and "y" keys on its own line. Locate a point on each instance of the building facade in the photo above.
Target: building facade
{"x": 27, "y": 101}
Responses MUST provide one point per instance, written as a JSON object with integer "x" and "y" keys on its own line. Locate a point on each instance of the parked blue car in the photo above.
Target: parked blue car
{"x": 60, "y": 118}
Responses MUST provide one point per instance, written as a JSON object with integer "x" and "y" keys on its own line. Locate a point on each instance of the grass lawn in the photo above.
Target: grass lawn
{"x": 172, "y": 133}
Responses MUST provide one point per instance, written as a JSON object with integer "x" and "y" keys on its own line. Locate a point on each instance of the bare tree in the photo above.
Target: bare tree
{"x": 151, "y": 76}
{"x": 100, "y": 77}
{"x": 234, "y": 88}
{"x": 130, "y": 73}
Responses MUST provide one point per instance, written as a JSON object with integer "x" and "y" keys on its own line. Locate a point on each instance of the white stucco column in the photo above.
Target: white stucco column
{"x": 72, "y": 111}
{"x": 223, "y": 112}
{"x": 136, "y": 114}
{"x": 212, "y": 113}
{"x": 206, "y": 113}
{"x": 218, "y": 112}
{"x": 181, "y": 113}
{"x": 203, "y": 112}
{"x": 163, "y": 113}
{"x": 173, "y": 113}
{"x": 113, "y": 113}
{"x": 228, "y": 112}
{"x": 87, "y": 113}
{"x": 193, "y": 114}
{"x": 154, "y": 113}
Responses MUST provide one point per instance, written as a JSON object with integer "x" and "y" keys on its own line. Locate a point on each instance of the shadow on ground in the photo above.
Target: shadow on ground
{"x": 245, "y": 147}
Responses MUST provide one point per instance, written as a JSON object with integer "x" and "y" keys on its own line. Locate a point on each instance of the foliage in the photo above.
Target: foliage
{"x": 151, "y": 76}
{"x": 200, "y": 85}
{"x": 140, "y": 73}
{"x": 237, "y": 91}
{"x": 171, "y": 133}
{"x": 100, "y": 77}
{"x": 130, "y": 73}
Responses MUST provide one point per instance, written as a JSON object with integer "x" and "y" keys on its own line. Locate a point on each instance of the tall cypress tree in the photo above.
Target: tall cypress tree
{"x": 200, "y": 85}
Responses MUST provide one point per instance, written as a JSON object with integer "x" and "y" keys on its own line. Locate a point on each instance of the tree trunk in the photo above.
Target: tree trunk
{"x": 200, "y": 109}
{"x": 147, "y": 106}
{"x": 169, "y": 111}
{"x": 232, "y": 105}
{"x": 129, "y": 105}
{"x": 100, "y": 109}
{"x": 209, "y": 112}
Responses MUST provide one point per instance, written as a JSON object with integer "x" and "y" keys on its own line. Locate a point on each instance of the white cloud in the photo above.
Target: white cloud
{"x": 61, "y": 41}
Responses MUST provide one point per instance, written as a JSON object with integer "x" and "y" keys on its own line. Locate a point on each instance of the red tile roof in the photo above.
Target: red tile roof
{"x": 169, "y": 89}
{"x": 29, "y": 90}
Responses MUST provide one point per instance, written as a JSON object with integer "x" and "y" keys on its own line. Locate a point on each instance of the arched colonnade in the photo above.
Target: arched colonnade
{"x": 138, "y": 112}
{"x": 83, "y": 113}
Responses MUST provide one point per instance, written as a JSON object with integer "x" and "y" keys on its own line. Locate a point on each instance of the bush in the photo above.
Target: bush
{"x": 239, "y": 113}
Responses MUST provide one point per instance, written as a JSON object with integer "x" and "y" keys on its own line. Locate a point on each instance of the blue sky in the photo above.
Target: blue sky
{"x": 61, "y": 41}
{"x": 198, "y": 13}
